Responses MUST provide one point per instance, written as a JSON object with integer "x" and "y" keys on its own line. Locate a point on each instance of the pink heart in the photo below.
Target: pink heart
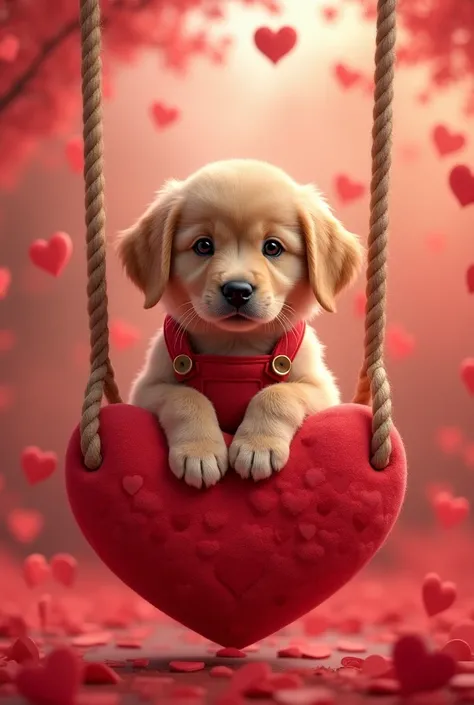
{"x": 447, "y": 142}
{"x": 5, "y": 281}
{"x": 38, "y": 465}
{"x": 52, "y": 255}
{"x": 25, "y": 524}
{"x": 438, "y": 596}
{"x": 248, "y": 583}
{"x": 461, "y": 181}
{"x": 74, "y": 150}
{"x": 275, "y": 44}
{"x": 64, "y": 568}
{"x": 132, "y": 484}
{"x": 346, "y": 76}
{"x": 419, "y": 671}
{"x": 123, "y": 335}
{"x": 467, "y": 374}
{"x": 9, "y": 48}
{"x": 347, "y": 189}
{"x": 400, "y": 344}
{"x": 35, "y": 570}
{"x": 163, "y": 115}
{"x": 450, "y": 511}
{"x": 55, "y": 682}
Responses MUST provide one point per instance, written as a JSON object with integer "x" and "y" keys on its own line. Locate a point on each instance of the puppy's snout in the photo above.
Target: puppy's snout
{"x": 237, "y": 293}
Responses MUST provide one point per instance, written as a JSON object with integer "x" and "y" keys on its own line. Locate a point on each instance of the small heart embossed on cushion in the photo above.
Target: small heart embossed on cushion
{"x": 245, "y": 551}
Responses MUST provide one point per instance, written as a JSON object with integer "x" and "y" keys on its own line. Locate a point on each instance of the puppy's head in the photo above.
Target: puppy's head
{"x": 240, "y": 245}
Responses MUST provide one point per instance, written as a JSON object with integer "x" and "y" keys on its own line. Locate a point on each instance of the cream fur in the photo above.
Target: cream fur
{"x": 238, "y": 204}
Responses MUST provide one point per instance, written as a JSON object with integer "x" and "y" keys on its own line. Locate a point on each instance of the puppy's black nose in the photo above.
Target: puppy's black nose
{"x": 237, "y": 293}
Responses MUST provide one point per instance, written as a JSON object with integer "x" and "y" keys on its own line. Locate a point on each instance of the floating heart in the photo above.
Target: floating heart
{"x": 164, "y": 116}
{"x": 261, "y": 573}
{"x": 346, "y": 76}
{"x": 348, "y": 190}
{"x": 56, "y": 682}
{"x": 52, "y": 255}
{"x": 419, "y": 671}
{"x": 38, "y": 465}
{"x": 437, "y": 596}
{"x": 461, "y": 181}
{"x": 447, "y": 142}
{"x": 5, "y": 280}
{"x": 9, "y": 48}
{"x": 123, "y": 335}
{"x": 470, "y": 279}
{"x": 450, "y": 511}
{"x": 74, "y": 151}
{"x": 35, "y": 569}
{"x": 25, "y": 524}
{"x": 275, "y": 44}
{"x": 400, "y": 344}
{"x": 467, "y": 374}
{"x": 64, "y": 568}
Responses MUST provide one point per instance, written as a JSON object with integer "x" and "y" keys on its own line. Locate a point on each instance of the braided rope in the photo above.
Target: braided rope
{"x": 373, "y": 383}
{"x": 101, "y": 379}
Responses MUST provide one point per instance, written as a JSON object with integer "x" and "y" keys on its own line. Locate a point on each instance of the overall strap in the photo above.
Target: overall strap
{"x": 285, "y": 352}
{"x": 179, "y": 349}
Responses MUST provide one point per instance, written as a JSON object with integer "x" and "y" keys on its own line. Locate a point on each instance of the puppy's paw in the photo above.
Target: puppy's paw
{"x": 258, "y": 456}
{"x": 199, "y": 463}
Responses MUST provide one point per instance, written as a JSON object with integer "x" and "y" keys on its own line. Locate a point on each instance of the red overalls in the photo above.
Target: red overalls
{"x": 230, "y": 382}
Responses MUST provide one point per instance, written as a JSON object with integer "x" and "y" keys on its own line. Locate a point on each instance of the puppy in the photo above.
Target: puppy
{"x": 246, "y": 227}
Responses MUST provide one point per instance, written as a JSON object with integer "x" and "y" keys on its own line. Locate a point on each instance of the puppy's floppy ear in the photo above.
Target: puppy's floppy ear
{"x": 145, "y": 248}
{"x": 334, "y": 255}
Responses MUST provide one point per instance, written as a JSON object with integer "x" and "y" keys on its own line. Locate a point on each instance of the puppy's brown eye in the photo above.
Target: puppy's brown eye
{"x": 204, "y": 247}
{"x": 272, "y": 248}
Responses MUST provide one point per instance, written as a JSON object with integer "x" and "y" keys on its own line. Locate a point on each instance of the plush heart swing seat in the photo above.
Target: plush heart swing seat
{"x": 240, "y": 560}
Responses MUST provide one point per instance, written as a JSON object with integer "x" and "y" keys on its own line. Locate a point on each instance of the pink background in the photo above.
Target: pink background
{"x": 299, "y": 117}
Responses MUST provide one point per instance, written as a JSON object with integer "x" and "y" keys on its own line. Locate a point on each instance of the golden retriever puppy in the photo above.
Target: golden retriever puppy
{"x": 239, "y": 254}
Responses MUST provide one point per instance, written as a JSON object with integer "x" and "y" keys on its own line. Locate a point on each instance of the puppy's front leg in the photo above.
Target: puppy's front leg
{"x": 198, "y": 452}
{"x": 262, "y": 442}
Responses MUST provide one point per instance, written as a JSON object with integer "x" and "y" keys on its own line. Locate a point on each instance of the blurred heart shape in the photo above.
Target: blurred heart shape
{"x": 461, "y": 181}
{"x": 37, "y": 464}
{"x": 164, "y": 116}
{"x": 347, "y": 189}
{"x": 467, "y": 374}
{"x": 447, "y": 142}
{"x": 418, "y": 670}
{"x": 275, "y": 44}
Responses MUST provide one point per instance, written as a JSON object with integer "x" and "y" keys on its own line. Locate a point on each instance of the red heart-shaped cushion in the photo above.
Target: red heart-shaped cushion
{"x": 240, "y": 560}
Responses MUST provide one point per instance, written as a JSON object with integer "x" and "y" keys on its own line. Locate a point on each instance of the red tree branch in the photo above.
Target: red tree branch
{"x": 17, "y": 88}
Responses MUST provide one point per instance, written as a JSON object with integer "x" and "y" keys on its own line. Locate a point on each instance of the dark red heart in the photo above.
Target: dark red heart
{"x": 461, "y": 181}
{"x": 275, "y": 44}
{"x": 230, "y": 562}
{"x": 54, "y": 682}
{"x": 419, "y": 671}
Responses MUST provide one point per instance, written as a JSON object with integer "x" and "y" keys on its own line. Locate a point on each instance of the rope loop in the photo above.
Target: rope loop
{"x": 102, "y": 378}
{"x": 373, "y": 385}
